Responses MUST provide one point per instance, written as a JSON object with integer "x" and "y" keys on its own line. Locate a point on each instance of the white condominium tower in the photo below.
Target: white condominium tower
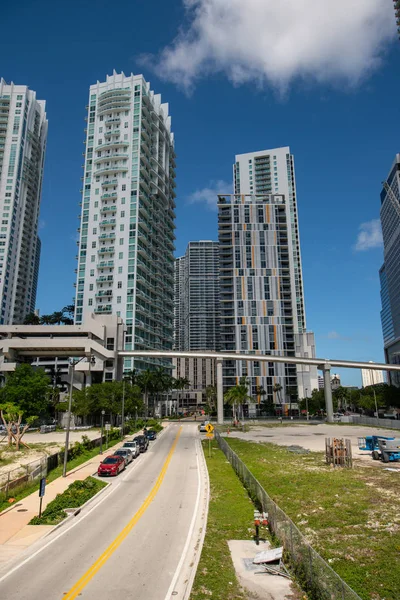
{"x": 23, "y": 135}
{"x": 261, "y": 277}
{"x": 126, "y": 262}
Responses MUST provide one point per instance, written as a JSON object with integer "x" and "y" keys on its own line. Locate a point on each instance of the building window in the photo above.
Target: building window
{"x": 119, "y": 285}
{"x": 91, "y": 287}
{"x": 118, "y": 299}
{"x": 108, "y": 377}
{"x": 91, "y": 272}
{"x": 110, "y": 343}
{"x": 119, "y": 270}
{"x": 90, "y": 303}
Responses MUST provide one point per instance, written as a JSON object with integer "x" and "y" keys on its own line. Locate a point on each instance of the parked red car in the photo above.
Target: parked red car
{"x": 112, "y": 465}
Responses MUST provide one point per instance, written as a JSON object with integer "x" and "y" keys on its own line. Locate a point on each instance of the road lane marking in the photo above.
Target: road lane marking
{"x": 113, "y": 488}
{"x": 191, "y": 529}
{"x": 103, "y": 558}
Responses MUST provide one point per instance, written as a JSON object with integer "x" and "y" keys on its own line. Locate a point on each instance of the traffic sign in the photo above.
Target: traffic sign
{"x": 209, "y": 428}
{"x": 42, "y": 487}
{"x": 210, "y": 436}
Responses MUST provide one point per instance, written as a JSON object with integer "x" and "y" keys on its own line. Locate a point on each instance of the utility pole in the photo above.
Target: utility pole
{"x": 307, "y": 403}
{"x": 72, "y": 365}
{"x": 123, "y": 410}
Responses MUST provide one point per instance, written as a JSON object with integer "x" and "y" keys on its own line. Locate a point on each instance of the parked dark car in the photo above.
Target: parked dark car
{"x": 112, "y": 465}
{"x": 150, "y": 434}
{"x": 142, "y": 441}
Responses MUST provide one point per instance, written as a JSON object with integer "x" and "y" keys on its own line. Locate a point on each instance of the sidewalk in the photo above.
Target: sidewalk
{"x": 15, "y": 533}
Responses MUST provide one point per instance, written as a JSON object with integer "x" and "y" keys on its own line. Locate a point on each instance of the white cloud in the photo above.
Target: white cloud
{"x": 275, "y": 42}
{"x": 208, "y": 195}
{"x": 370, "y": 236}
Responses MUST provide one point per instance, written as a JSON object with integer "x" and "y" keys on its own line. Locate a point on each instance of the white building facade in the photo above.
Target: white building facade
{"x": 126, "y": 263}
{"x": 371, "y": 377}
{"x": 261, "y": 277}
{"x": 23, "y": 136}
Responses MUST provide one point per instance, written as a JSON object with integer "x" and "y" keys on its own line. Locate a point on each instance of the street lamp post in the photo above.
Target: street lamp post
{"x": 307, "y": 403}
{"x": 103, "y": 412}
{"x": 71, "y": 383}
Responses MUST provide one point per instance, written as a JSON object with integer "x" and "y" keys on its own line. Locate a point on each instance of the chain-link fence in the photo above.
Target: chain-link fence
{"x": 315, "y": 576}
{"x": 22, "y": 475}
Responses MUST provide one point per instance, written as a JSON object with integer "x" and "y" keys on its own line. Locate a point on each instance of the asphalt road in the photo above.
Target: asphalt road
{"x": 130, "y": 543}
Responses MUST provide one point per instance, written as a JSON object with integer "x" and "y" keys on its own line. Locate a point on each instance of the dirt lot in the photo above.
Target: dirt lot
{"x": 41, "y": 445}
{"x": 312, "y": 437}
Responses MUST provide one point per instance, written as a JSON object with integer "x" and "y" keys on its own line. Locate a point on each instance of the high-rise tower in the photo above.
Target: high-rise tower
{"x": 126, "y": 263}
{"x": 23, "y": 136}
{"x": 261, "y": 277}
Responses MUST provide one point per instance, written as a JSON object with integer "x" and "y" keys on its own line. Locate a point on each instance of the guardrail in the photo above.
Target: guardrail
{"x": 316, "y": 577}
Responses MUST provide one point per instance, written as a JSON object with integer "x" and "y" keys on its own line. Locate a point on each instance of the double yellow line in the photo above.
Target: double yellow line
{"x": 96, "y": 566}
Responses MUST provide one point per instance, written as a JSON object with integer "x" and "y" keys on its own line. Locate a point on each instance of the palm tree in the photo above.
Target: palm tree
{"x": 131, "y": 376}
{"x": 57, "y": 317}
{"x": 32, "y": 319}
{"x": 145, "y": 380}
{"x": 260, "y": 392}
{"x": 46, "y": 320}
{"x": 179, "y": 384}
{"x": 277, "y": 389}
{"x": 237, "y": 395}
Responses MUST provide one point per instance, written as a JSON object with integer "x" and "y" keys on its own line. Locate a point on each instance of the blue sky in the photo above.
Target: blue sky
{"x": 335, "y": 102}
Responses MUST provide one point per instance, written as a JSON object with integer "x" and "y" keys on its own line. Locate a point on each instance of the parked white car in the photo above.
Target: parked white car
{"x": 126, "y": 453}
{"x": 133, "y": 447}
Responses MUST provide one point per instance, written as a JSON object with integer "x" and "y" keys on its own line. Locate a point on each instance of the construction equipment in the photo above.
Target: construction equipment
{"x": 369, "y": 443}
{"x": 389, "y": 450}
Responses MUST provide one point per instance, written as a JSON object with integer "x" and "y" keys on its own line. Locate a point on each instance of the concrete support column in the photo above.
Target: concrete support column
{"x": 220, "y": 393}
{"x": 326, "y": 369}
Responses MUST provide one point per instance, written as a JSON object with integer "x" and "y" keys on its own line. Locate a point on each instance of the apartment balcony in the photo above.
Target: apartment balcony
{"x": 108, "y": 196}
{"x": 108, "y": 209}
{"x": 107, "y": 236}
{"x": 112, "y": 169}
{"x": 105, "y": 279}
{"x": 112, "y": 121}
{"x": 105, "y": 264}
{"x": 120, "y": 104}
{"x": 108, "y": 250}
{"x": 107, "y": 222}
{"x": 109, "y": 183}
{"x": 108, "y": 134}
{"x": 110, "y": 145}
{"x": 106, "y": 158}
{"x": 104, "y": 293}
{"x": 107, "y": 309}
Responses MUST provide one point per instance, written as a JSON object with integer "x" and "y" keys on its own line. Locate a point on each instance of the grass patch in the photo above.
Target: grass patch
{"x": 350, "y": 516}
{"x": 74, "y": 496}
{"x": 230, "y": 517}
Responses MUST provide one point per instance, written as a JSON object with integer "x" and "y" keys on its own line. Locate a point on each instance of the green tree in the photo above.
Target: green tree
{"x": 46, "y": 320}
{"x": 11, "y": 416}
{"x": 32, "y": 319}
{"x": 28, "y": 389}
{"x": 237, "y": 395}
{"x": 131, "y": 376}
{"x": 146, "y": 382}
{"x": 341, "y": 397}
{"x": 211, "y": 397}
{"x": 260, "y": 392}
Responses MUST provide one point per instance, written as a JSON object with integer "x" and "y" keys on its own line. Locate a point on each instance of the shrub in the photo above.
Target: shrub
{"x": 74, "y": 496}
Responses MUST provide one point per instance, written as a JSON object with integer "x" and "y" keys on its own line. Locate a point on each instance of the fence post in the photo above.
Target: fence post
{"x": 311, "y": 564}
{"x": 8, "y": 484}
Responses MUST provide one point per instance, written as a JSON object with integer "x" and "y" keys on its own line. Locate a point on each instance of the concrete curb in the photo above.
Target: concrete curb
{"x": 200, "y": 541}
{"x": 77, "y": 511}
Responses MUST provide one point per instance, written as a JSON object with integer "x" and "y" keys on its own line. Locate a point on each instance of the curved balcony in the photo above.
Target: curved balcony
{"x": 120, "y": 104}
{"x": 112, "y": 169}
{"x": 106, "y": 309}
{"x": 109, "y": 183}
{"x": 108, "y": 134}
{"x": 116, "y": 156}
{"x": 112, "y": 121}
{"x": 113, "y": 92}
{"x": 109, "y": 145}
